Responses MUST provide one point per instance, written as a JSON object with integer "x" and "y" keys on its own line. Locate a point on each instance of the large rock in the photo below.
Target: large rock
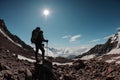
{"x": 79, "y": 64}
{"x": 44, "y": 71}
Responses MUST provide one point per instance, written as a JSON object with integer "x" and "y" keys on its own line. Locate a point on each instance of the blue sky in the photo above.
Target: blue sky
{"x": 70, "y": 23}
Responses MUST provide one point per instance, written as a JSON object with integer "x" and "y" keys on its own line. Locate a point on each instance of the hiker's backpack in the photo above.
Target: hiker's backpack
{"x": 34, "y": 36}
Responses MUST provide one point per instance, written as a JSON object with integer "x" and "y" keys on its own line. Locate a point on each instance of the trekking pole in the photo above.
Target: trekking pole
{"x": 47, "y": 49}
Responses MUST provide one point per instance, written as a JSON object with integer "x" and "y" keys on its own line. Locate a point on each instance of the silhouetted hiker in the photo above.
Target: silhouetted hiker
{"x": 38, "y": 39}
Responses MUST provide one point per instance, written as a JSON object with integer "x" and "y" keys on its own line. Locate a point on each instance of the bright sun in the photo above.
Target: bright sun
{"x": 46, "y": 12}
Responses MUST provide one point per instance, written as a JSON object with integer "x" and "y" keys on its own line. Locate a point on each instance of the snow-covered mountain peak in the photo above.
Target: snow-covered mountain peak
{"x": 109, "y": 52}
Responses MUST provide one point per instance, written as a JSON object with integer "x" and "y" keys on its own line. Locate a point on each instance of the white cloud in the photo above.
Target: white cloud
{"x": 95, "y": 40}
{"x": 74, "y": 38}
{"x": 67, "y": 36}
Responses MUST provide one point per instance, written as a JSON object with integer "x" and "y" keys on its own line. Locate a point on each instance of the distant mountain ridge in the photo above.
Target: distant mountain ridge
{"x": 109, "y": 52}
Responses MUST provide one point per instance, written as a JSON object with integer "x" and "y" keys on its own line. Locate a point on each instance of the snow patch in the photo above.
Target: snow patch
{"x": 9, "y": 38}
{"x": 87, "y": 57}
{"x": 109, "y": 61}
{"x": 113, "y": 59}
{"x": 118, "y": 62}
{"x": 114, "y": 38}
{"x": 114, "y": 51}
{"x": 70, "y": 63}
{"x": 31, "y": 60}
{"x": 118, "y": 40}
{"x": 25, "y": 58}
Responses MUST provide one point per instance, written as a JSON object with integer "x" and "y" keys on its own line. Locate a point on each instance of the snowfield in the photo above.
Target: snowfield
{"x": 109, "y": 61}
{"x": 114, "y": 59}
{"x": 25, "y": 58}
{"x": 87, "y": 57}
{"x": 114, "y": 51}
{"x": 20, "y": 57}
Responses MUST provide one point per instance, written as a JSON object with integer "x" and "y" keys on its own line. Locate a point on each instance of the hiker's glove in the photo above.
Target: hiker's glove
{"x": 47, "y": 41}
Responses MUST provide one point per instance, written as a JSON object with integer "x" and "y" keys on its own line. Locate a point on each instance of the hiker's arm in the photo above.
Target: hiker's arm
{"x": 44, "y": 38}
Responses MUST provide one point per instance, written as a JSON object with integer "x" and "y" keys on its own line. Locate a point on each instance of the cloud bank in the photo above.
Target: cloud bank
{"x": 65, "y": 52}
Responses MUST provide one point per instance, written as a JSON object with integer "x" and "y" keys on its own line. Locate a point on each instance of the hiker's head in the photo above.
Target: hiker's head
{"x": 37, "y": 28}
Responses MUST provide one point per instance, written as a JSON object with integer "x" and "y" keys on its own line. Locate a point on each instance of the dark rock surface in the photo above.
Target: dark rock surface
{"x": 62, "y": 60}
{"x": 90, "y": 70}
{"x": 11, "y": 68}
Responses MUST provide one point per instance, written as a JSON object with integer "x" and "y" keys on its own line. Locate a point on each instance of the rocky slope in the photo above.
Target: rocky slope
{"x": 88, "y": 70}
{"x": 15, "y": 38}
{"x": 12, "y": 43}
{"x": 11, "y": 68}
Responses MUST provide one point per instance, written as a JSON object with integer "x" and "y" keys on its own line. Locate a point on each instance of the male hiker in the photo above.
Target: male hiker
{"x": 38, "y": 39}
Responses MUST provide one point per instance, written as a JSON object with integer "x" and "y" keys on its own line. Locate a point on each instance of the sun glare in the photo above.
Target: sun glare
{"x": 46, "y": 12}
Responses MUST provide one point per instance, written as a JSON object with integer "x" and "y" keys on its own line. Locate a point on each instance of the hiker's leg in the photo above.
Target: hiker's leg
{"x": 36, "y": 52}
{"x": 43, "y": 52}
